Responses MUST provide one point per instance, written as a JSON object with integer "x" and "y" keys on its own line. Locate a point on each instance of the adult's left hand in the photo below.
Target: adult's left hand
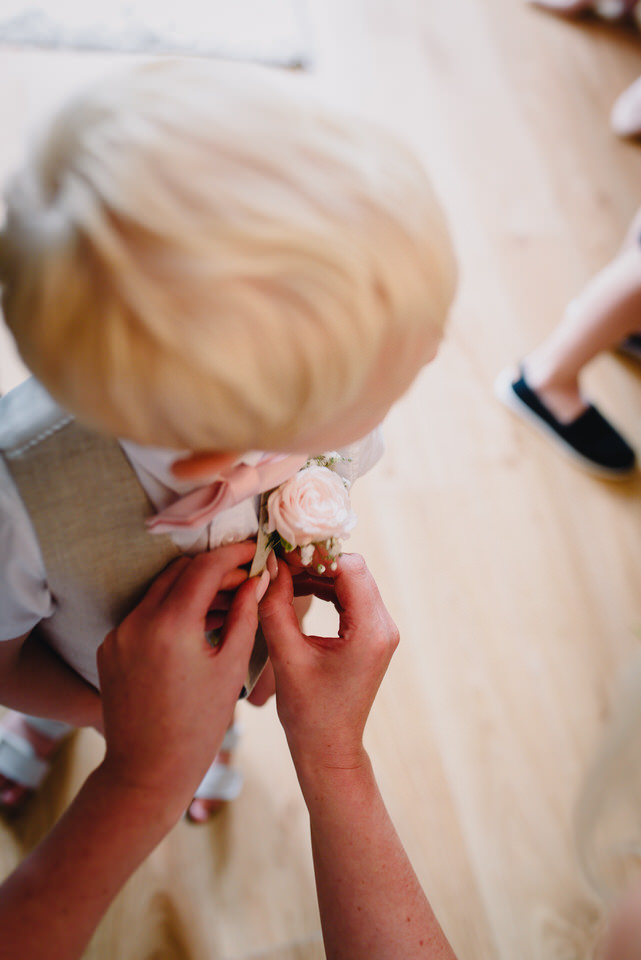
{"x": 168, "y": 695}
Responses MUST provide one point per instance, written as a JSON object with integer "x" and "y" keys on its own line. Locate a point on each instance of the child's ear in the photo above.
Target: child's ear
{"x": 206, "y": 465}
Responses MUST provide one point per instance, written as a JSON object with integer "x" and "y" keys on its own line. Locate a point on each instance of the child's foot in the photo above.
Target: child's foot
{"x": 221, "y": 783}
{"x": 26, "y": 743}
{"x": 588, "y": 438}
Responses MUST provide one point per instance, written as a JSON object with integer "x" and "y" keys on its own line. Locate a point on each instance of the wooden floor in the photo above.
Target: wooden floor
{"x": 514, "y": 578}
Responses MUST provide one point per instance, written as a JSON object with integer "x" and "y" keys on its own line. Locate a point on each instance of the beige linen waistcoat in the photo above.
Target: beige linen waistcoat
{"x": 88, "y": 510}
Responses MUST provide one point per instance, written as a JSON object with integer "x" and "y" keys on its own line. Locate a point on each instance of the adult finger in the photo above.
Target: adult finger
{"x": 222, "y": 601}
{"x": 214, "y": 621}
{"x": 357, "y": 594}
{"x": 277, "y": 615}
{"x": 158, "y": 590}
{"x": 193, "y": 591}
{"x": 234, "y": 578}
{"x": 321, "y": 587}
{"x": 163, "y": 583}
{"x": 240, "y": 627}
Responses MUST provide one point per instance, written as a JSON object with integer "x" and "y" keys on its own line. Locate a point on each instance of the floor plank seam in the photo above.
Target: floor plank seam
{"x": 313, "y": 938}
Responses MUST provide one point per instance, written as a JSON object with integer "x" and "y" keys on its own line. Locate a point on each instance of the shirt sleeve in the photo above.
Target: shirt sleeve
{"x": 24, "y": 595}
{"x": 361, "y": 456}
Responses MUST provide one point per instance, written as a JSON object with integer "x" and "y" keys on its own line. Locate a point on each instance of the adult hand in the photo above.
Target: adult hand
{"x": 167, "y": 694}
{"x": 325, "y": 686}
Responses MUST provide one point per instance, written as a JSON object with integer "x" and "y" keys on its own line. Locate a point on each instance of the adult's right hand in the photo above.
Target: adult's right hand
{"x": 325, "y": 686}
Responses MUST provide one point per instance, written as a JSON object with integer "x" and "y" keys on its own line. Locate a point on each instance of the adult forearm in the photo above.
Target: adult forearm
{"x": 371, "y": 903}
{"x": 38, "y": 682}
{"x": 53, "y": 902}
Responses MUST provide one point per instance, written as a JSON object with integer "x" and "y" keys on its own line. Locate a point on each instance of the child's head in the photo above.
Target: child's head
{"x": 203, "y": 256}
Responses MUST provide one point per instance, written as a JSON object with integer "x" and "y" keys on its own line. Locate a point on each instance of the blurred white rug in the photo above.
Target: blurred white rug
{"x": 268, "y": 31}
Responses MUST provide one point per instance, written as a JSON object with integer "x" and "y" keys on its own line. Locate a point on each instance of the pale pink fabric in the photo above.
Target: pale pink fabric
{"x": 196, "y": 509}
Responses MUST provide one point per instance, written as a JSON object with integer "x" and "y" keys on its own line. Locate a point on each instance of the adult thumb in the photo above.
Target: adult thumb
{"x": 241, "y": 624}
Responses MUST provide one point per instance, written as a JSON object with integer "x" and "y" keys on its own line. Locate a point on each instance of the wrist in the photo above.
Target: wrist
{"x": 322, "y": 780}
{"x": 323, "y": 746}
{"x": 138, "y": 804}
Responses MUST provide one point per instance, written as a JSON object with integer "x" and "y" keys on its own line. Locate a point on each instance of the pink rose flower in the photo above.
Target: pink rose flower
{"x": 310, "y": 507}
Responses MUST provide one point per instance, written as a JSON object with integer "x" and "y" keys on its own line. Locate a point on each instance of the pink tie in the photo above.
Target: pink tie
{"x": 196, "y": 509}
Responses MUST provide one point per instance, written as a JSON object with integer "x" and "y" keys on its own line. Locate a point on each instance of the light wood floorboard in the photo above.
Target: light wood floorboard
{"x": 514, "y": 578}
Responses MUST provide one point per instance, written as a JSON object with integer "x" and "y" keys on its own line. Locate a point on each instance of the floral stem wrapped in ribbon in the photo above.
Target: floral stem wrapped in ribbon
{"x": 311, "y": 511}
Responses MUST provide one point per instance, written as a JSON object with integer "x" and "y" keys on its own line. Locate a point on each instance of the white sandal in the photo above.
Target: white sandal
{"x": 222, "y": 782}
{"x": 19, "y": 761}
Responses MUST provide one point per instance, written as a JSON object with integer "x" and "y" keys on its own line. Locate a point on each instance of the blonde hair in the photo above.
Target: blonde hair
{"x": 203, "y": 256}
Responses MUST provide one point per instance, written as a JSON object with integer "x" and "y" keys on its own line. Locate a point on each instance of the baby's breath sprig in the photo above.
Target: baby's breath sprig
{"x": 328, "y": 460}
{"x": 332, "y": 548}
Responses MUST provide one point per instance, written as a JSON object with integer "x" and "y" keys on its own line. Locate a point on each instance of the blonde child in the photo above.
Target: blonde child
{"x": 204, "y": 262}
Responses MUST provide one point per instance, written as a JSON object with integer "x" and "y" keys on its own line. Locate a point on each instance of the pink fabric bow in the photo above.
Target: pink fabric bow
{"x": 196, "y": 509}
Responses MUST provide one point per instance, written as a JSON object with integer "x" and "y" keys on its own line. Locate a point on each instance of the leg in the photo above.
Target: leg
{"x": 546, "y": 393}
{"x": 607, "y": 311}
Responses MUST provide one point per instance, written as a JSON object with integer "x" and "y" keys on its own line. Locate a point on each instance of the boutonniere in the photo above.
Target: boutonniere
{"x": 311, "y": 512}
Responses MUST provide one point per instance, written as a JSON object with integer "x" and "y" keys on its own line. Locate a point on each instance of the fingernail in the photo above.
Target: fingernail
{"x": 262, "y": 585}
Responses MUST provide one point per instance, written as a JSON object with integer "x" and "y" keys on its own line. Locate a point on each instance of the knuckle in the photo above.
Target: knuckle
{"x": 390, "y": 629}
{"x": 355, "y": 564}
{"x": 205, "y": 560}
{"x": 269, "y": 605}
{"x": 394, "y": 636}
{"x": 387, "y": 636}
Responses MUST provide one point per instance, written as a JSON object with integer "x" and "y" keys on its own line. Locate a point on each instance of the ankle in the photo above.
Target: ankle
{"x": 563, "y": 399}
{"x": 542, "y": 373}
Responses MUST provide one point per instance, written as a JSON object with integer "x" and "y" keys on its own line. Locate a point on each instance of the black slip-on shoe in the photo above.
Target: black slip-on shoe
{"x": 590, "y": 440}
